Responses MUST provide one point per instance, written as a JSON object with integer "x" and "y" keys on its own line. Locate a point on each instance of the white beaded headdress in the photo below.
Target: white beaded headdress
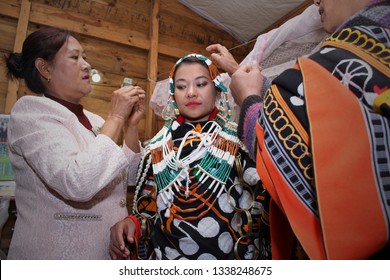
{"x": 171, "y": 111}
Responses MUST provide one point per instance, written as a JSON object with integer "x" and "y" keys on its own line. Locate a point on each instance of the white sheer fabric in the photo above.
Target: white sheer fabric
{"x": 275, "y": 51}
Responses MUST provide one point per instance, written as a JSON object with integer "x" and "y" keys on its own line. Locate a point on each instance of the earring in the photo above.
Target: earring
{"x": 224, "y": 104}
{"x": 48, "y": 80}
{"x": 169, "y": 111}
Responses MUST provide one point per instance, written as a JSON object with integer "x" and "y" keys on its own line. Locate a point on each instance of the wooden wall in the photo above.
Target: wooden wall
{"x": 139, "y": 39}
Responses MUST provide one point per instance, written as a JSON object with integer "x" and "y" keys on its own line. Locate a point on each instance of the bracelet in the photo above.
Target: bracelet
{"x": 137, "y": 225}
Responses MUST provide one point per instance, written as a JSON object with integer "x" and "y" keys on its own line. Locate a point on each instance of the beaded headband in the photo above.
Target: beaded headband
{"x": 171, "y": 112}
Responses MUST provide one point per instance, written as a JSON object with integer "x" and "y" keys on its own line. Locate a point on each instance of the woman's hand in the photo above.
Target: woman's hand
{"x": 138, "y": 110}
{"x": 246, "y": 81}
{"x": 121, "y": 230}
{"x": 131, "y": 136}
{"x": 121, "y": 114}
{"x": 221, "y": 56}
{"x": 123, "y": 101}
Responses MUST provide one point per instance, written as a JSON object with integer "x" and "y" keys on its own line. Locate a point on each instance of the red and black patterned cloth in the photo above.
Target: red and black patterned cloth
{"x": 323, "y": 146}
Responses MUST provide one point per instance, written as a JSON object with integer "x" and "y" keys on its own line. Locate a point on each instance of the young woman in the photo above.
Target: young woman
{"x": 197, "y": 195}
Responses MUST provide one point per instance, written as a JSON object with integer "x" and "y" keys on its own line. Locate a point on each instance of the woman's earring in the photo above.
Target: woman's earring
{"x": 48, "y": 80}
{"x": 169, "y": 111}
{"x": 219, "y": 102}
{"x": 224, "y": 104}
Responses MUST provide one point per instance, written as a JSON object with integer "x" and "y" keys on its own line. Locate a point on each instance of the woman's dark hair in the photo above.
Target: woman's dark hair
{"x": 191, "y": 60}
{"x": 43, "y": 43}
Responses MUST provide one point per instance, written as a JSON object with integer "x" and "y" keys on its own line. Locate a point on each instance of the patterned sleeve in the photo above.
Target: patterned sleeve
{"x": 247, "y": 124}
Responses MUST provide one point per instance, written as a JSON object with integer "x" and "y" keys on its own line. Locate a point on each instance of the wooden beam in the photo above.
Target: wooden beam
{"x": 150, "y": 126}
{"x": 48, "y": 16}
{"x": 21, "y": 33}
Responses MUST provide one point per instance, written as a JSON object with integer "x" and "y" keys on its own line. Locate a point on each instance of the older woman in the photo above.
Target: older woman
{"x": 71, "y": 176}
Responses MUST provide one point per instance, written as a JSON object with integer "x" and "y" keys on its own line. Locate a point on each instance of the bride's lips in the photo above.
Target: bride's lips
{"x": 193, "y": 104}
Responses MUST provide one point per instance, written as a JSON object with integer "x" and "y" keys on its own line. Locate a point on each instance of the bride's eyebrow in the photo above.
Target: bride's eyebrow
{"x": 197, "y": 78}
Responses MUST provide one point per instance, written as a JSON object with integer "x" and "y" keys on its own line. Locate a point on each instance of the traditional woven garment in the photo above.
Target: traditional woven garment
{"x": 198, "y": 195}
{"x": 324, "y": 145}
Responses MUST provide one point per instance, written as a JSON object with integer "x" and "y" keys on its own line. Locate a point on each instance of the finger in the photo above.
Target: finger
{"x": 141, "y": 91}
{"x": 256, "y": 66}
{"x": 142, "y": 97}
{"x": 138, "y": 88}
{"x": 138, "y": 92}
{"x": 212, "y": 48}
{"x": 116, "y": 245}
{"x": 245, "y": 68}
{"x": 133, "y": 99}
{"x": 117, "y": 241}
{"x": 114, "y": 253}
{"x": 125, "y": 88}
{"x": 217, "y": 49}
{"x": 130, "y": 235}
{"x": 215, "y": 56}
{"x": 222, "y": 49}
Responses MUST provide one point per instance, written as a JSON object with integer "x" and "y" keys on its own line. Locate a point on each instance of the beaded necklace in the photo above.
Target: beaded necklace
{"x": 217, "y": 149}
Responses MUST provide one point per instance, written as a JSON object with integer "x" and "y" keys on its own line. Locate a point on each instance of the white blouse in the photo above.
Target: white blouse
{"x": 70, "y": 184}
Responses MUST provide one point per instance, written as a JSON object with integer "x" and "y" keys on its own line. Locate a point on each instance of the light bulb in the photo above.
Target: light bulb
{"x": 95, "y": 76}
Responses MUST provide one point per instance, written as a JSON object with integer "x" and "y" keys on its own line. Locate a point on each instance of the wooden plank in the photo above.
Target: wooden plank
{"x": 193, "y": 31}
{"x": 46, "y": 15}
{"x": 80, "y": 23}
{"x": 111, "y": 58}
{"x": 21, "y": 32}
{"x": 120, "y": 41}
{"x": 9, "y": 9}
{"x": 152, "y": 66}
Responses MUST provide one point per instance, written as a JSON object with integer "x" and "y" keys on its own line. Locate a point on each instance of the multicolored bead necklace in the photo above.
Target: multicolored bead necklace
{"x": 216, "y": 151}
